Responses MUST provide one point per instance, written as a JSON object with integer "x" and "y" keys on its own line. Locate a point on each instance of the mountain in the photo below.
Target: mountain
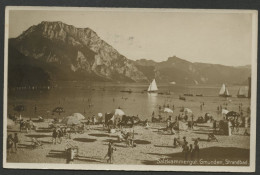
{"x": 185, "y": 72}
{"x": 65, "y": 52}
{"x": 54, "y": 51}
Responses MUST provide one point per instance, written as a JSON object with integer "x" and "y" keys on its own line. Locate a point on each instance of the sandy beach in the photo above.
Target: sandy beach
{"x": 151, "y": 145}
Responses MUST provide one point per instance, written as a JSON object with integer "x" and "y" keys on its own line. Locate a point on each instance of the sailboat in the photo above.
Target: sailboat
{"x": 224, "y": 91}
{"x": 152, "y": 87}
{"x": 241, "y": 93}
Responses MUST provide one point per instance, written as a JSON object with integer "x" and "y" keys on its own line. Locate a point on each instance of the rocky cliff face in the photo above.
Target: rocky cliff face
{"x": 78, "y": 51}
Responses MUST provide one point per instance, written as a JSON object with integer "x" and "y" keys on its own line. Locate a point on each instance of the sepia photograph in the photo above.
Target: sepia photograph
{"x": 130, "y": 89}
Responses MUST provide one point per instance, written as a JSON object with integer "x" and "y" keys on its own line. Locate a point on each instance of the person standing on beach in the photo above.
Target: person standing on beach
{"x": 54, "y": 136}
{"x": 21, "y": 125}
{"x": 59, "y": 135}
{"x": 230, "y": 128}
{"x": 110, "y": 152}
{"x": 16, "y": 140}
{"x": 10, "y": 143}
{"x": 185, "y": 150}
{"x": 191, "y": 152}
{"x": 215, "y": 125}
{"x": 196, "y": 150}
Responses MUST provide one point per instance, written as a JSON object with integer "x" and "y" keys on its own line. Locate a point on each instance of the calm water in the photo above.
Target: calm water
{"x": 90, "y": 99}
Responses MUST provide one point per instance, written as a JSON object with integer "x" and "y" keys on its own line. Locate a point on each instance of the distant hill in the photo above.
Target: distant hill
{"x": 53, "y": 51}
{"x": 182, "y": 71}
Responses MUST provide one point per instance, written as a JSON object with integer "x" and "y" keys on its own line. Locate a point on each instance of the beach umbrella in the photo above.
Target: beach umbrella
{"x": 71, "y": 120}
{"x": 232, "y": 114}
{"x": 100, "y": 114}
{"x": 58, "y": 110}
{"x": 10, "y": 122}
{"x": 79, "y": 116}
{"x": 168, "y": 110}
{"x": 118, "y": 112}
{"x": 224, "y": 111}
{"x": 187, "y": 110}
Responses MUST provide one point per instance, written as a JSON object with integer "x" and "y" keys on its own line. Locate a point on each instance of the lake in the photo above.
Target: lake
{"x": 92, "y": 98}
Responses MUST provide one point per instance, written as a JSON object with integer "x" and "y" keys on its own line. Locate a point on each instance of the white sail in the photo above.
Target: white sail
{"x": 153, "y": 86}
{"x": 222, "y": 90}
{"x": 242, "y": 91}
{"x": 226, "y": 92}
{"x": 149, "y": 88}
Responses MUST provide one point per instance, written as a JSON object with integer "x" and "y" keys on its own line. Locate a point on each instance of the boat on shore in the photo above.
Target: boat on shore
{"x": 224, "y": 91}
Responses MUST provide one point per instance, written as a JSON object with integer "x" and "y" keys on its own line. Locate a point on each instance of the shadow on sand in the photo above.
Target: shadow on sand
{"x": 84, "y": 140}
{"x": 44, "y": 130}
{"x": 37, "y": 135}
{"x": 88, "y": 159}
{"x": 142, "y": 142}
{"x": 57, "y": 154}
{"x": 99, "y": 135}
{"x": 25, "y": 146}
{"x": 164, "y": 146}
{"x": 111, "y": 140}
{"x": 211, "y": 153}
{"x": 202, "y": 133}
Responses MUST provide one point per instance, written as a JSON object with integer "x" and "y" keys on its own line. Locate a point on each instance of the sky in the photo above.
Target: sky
{"x": 212, "y": 37}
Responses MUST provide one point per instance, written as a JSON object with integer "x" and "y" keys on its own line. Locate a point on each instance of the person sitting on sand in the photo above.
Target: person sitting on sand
{"x": 147, "y": 124}
{"x": 36, "y": 142}
{"x": 121, "y": 136}
{"x": 176, "y": 141}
